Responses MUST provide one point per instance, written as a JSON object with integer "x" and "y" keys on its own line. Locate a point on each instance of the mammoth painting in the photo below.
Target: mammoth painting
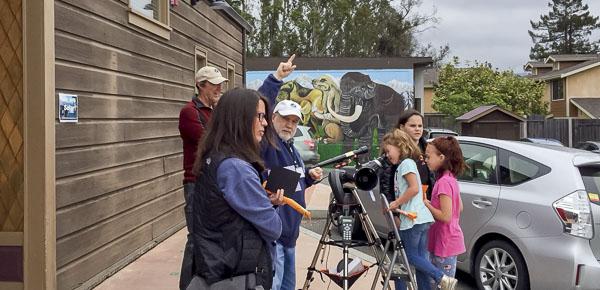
{"x": 347, "y": 107}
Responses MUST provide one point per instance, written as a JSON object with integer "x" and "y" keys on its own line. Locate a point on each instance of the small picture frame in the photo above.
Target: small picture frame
{"x": 68, "y": 108}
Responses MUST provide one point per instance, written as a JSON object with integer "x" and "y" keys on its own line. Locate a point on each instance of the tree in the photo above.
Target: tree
{"x": 337, "y": 28}
{"x": 564, "y": 30}
{"x": 460, "y": 90}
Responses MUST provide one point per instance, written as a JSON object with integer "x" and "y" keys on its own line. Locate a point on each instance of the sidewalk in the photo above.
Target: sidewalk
{"x": 159, "y": 268}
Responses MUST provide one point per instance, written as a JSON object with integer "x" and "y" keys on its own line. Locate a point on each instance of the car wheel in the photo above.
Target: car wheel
{"x": 498, "y": 265}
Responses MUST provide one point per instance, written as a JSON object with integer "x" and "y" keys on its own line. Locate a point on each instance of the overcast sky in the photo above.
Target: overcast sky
{"x": 485, "y": 30}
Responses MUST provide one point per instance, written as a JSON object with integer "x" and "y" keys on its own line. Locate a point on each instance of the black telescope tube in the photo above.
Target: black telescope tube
{"x": 350, "y": 154}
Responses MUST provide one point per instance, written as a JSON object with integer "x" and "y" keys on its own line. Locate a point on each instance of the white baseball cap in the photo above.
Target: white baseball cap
{"x": 211, "y": 74}
{"x": 287, "y": 107}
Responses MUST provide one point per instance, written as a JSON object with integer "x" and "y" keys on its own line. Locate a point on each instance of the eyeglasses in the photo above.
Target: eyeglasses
{"x": 261, "y": 116}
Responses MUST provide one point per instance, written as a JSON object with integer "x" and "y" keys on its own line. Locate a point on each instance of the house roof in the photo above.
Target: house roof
{"x": 563, "y": 73}
{"x": 535, "y": 64}
{"x": 481, "y": 111}
{"x": 430, "y": 77}
{"x": 570, "y": 57}
{"x": 590, "y": 106}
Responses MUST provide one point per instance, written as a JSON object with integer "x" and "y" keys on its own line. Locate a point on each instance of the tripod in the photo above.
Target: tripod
{"x": 357, "y": 210}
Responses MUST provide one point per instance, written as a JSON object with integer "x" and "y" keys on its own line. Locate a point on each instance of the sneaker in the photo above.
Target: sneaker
{"x": 448, "y": 283}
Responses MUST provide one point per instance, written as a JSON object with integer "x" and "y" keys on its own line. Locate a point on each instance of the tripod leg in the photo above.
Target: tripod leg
{"x": 390, "y": 270}
{"x": 374, "y": 241}
{"x": 380, "y": 269}
{"x": 320, "y": 247}
{"x": 411, "y": 277}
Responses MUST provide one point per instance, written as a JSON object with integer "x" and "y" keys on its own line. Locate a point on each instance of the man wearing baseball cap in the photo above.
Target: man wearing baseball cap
{"x": 286, "y": 116}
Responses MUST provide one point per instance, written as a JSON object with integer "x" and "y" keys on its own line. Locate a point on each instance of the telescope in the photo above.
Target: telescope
{"x": 365, "y": 177}
{"x": 340, "y": 158}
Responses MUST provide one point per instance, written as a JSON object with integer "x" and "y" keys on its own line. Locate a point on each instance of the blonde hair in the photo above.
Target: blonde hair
{"x": 405, "y": 144}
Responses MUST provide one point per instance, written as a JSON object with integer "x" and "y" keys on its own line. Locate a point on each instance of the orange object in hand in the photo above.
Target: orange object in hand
{"x": 296, "y": 206}
{"x": 293, "y": 204}
{"x": 409, "y": 214}
{"x": 424, "y": 187}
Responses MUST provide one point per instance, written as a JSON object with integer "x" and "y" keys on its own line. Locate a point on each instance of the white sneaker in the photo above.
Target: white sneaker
{"x": 448, "y": 283}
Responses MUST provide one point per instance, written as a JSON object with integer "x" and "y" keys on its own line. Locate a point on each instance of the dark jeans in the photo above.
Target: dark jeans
{"x": 187, "y": 265}
{"x": 415, "y": 246}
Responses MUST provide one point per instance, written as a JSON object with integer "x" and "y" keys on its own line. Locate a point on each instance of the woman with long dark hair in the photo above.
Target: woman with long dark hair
{"x": 411, "y": 122}
{"x": 234, "y": 221}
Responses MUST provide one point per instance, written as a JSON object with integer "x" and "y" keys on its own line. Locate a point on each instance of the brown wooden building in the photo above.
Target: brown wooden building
{"x": 80, "y": 200}
{"x": 492, "y": 122}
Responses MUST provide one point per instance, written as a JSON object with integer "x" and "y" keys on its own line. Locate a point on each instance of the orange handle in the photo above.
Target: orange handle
{"x": 409, "y": 214}
{"x": 292, "y": 203}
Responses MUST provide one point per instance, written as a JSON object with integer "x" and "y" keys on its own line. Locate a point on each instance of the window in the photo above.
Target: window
{"x": 418, "y": 105}
{"x": 558, "y": 89}
{"x": 200, "y": 61}
{"x": 516, "y": 169}
{"x": 481, "y": 162}
{"x": 230, "y": 75}
{"x": 151, "y": 15}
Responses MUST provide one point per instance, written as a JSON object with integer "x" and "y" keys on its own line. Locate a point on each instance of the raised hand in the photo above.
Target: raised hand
{"x": 285, "y": 68}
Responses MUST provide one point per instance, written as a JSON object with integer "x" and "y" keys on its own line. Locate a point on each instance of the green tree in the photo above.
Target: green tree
{"x": 460, "y": 90}
{"x": 564, "y": 30}
{"x": 337, "y": 27}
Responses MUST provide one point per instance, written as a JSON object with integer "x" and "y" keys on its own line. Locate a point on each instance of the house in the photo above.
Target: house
{"x": 431, "y": 77}
{"x": 80, "y": 199}
{"x": 491, "y": 121}
{"x": 571, "y": 84}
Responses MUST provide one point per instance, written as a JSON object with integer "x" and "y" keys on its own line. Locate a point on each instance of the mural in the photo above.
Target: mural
{"x": 346, "y": 106}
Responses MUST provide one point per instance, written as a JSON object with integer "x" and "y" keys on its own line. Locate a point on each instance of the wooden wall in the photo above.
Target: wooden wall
{"x": 119, "y": 178}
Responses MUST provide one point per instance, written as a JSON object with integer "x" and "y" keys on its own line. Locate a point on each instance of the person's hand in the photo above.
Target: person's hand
{"x": 427, "y": 203}
{"x": 316, "y": 173}
{"x": 276, "y": 198}
{"x": 285, "y": 68}
{"x": 394, "y": 205}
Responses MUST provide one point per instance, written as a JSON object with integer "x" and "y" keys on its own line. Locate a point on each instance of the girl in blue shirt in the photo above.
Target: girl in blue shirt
{"x": 401, "y": 150}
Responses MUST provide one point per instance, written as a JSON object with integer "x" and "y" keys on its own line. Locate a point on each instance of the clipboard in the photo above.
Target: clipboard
{"x": 282, "y": 178}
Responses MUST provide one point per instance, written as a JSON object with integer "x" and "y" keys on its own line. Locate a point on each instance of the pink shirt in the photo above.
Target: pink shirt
{"x": 446, "y": 239}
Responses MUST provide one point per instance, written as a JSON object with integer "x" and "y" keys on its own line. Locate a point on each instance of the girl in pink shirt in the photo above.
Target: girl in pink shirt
{"x": 445, "y": 241}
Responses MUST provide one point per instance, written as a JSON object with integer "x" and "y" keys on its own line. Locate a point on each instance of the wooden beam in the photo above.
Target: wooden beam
{"x": 39, "y": 239}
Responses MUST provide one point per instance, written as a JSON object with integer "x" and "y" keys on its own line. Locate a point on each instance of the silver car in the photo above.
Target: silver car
{"x": 531, "y": 216}
{"x": 306, "y": 145}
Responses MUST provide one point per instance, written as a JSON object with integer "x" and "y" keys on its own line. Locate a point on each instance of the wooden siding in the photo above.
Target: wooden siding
{"x": 558, "y": 108}
{"x": 118, "y": 170}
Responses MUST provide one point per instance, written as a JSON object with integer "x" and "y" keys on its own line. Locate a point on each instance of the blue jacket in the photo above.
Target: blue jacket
{"x": 282, "y": 155}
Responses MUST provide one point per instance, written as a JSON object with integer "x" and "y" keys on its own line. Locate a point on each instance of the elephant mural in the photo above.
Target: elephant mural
{"x": 365, "y": 105}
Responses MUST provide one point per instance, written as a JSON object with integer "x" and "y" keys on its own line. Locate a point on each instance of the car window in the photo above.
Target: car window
{"x": 516, "y": 169}
{"x": 591, "y": 181}
{"x": 582, "y": 146}
{"x": 481, "y": 162}
{"x": 298, "y": 133}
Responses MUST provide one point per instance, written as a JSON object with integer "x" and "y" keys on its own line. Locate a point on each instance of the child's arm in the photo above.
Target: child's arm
{"x": 411, "y": 191}
{"x": 460, "y": 203}
{"x": 444, "y": 214}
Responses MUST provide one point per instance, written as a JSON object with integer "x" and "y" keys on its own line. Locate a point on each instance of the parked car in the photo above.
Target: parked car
{"x": 530, "y": 214}
{"x": 593, "y": 146}
{"x": 306, "y": 145}
{"x": 546, "y": 141}
{"x": 430, "y": 133}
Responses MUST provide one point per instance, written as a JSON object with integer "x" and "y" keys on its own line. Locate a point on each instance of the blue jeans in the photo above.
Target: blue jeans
{"x": 285, "y": 269}
{"x": 446, "y": 264}
{"x": 415, "y": 246}
{"x": 187, "y": 265}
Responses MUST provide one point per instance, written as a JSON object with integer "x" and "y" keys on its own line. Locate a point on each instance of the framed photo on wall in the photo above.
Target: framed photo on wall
{"x": 68, "y": 108}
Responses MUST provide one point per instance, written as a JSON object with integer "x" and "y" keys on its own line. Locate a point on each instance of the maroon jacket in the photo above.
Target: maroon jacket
{"x": 193, "y": 119}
